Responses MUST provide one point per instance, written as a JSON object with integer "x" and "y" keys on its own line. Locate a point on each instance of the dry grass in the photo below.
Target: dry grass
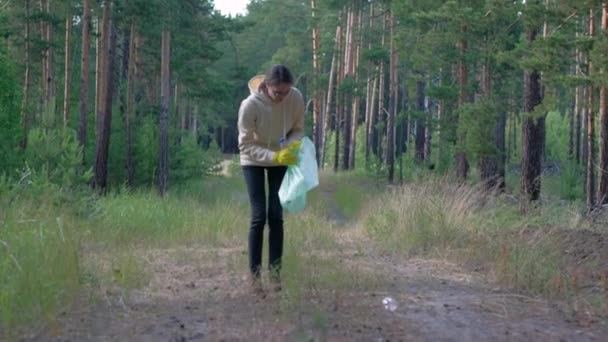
{"x": 438, "y": 218}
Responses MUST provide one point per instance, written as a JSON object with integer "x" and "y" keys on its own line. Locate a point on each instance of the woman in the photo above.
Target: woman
{"x": 271, "y": 124}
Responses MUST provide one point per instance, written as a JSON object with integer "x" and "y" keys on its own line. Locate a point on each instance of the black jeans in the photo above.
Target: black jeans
{"x": 256, "y": 186}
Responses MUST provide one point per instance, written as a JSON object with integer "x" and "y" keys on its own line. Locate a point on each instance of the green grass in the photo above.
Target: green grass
{"x": 201, "y": 214}
{"x": 351, "y": 191}
{"x": 39, "y": 264}
{"x": 52, "y": 244}
{"x": 43, "y": 234}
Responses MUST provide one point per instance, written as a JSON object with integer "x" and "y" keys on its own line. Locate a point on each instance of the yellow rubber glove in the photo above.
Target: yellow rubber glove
{"x": 289, "y": 155}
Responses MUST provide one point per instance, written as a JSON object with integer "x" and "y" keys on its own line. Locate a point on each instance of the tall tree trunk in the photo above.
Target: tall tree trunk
{"x": 67, "y": 67}
{"x": 84, "y": 75}
{"x": 578, "y": 139}
{"x": 500, "y": 141}
{"x": 330, "y": 95}
{"x": 381, "y": 95}
{"x": 338, "y": 115}
{"x": 591, "y": 127}
{"x": 195, "y": 122}
{"x": 574, "y": 141}
{"x": 50, "y": 73}
{"x": 98, "y": 64}
{"x": 420, "y": 122}
{"x": 44, "y": 57}
{"x": 602, "y": 194}
{"x": 356, "y": 98}
{"x": 510, "y": 139}
{"x": 515, "y": 139}
{"x": 47, "y": 64}
{"x": 316, "y": 88}
{"x": 176, "y": 115}
{"x": 402, "y": 131}
{"x": 584, "y": 136}
{"x": 163, "y": 165}
{"x": 533, "y": 135}
{"x": 490, "y": 164}
{"x": 571, "y": 124}
{"x": 104, "y": 116}
{"x": 462, "y": 164}
{"x": 349, "y": 60}
{"x": 129, "y": 113}
{"x": 393, "y": 98}
{"x": 573, "y": 112}
{"x": 373, "y": 117}
{"x": 428, "y": 129}
{"x": 441, "y": 118}
{"x": 369, "y": 85}
{"x": 26, "y": 83}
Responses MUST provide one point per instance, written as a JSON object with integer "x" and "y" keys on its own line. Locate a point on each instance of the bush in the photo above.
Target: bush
{"x": 54, "y": 156}
{"x": 191, "y": 162}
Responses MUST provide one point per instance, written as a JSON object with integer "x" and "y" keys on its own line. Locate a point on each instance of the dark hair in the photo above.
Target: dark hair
{"x": 278, "y": 74}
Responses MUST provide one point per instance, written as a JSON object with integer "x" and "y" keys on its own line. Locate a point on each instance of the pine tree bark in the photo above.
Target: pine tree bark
{"x": 67, "y": 66}
{"x": 47, "y": 63}
{"x": 584, "y": 136}
{"x": 441, "y": 136}
{"x": 369, "y": 85}
{"x": 501, "y": 145}
{"x": 330, "y": 95}
{"x": 575, "y": 120}
{"x": 602, "y": 194}
{"x": 402, "y": 130}
{"x": 381, "y": 96}
{"x": 338, "y": 115}
{"x": 356, "y": 98}
{"x": 373, "y": 117}
{"x": 581, "y": 123}
{"x": 349, "y": 76}
{"x": 98, "y": 64}
{"x": 393, "y": 98}
{"x": 104, "y": 116}
{"x": 316, "y": 89}
{"x": 590, "y": 183}
{"x": 84, "y": 75}
{"x": 131, "y": 70}
{"x": 533, "y": 135}
{"x": 509, "y": 137}
{"x": 50, "y": 90}
{"x": 25, "y": 118}
{"x": 163, "y": 165}
{"x": 44, "y": 57}
{"x": 176, "y": 115}
{"x": 462, "y": 164}
{"x": 420, "y": 122}
{"x": 490, "y": 166}
{"x": 428, "y": 127}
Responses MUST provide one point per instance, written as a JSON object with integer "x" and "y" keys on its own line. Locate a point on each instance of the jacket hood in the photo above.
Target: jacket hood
{"x": 254, "y": 85}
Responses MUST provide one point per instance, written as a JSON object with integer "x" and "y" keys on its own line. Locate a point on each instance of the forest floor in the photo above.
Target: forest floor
{"x": 202, "y": 294}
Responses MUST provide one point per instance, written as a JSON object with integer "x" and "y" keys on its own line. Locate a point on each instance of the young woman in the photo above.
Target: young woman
{"x": 271, "y": 124}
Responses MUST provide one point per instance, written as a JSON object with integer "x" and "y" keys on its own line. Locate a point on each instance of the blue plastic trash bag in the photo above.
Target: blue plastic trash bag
{"x": 299, "y": 179}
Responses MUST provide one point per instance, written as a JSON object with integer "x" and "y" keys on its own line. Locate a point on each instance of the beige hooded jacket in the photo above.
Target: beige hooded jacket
{"x": 262, "y": 124}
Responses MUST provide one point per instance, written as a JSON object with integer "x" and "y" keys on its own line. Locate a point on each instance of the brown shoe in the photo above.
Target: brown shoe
{"x": 275, "y": 282}
{"x": 256, "y": 286}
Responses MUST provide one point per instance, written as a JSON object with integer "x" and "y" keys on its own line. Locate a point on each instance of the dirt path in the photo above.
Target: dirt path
{"x": 193, "y": 300}
{"x": 199, "y": 294}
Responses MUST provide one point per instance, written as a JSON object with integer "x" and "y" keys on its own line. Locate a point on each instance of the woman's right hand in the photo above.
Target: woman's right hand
{"x": 289, "y": 155}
